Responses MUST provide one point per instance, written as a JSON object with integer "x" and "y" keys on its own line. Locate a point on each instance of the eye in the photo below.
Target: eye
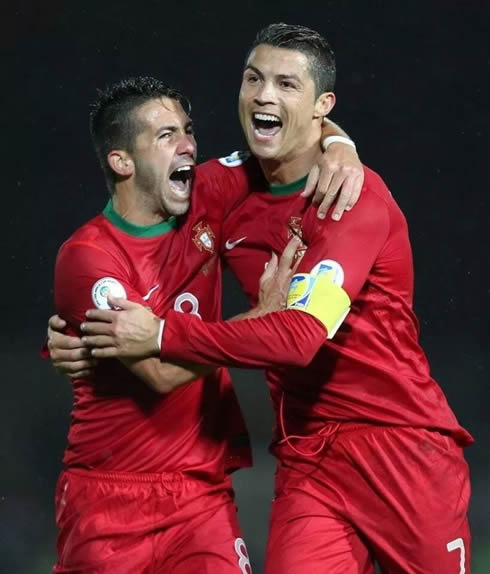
{"x": 286, "y": 84}
{"x": 251, "y": 79}
{"x": 189, "y": 130}
{"x": 165, "y": 135}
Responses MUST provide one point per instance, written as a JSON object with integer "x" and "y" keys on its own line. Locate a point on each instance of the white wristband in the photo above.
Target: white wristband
{"x": 160, "y": 333}
{"x": 337, "y": 139}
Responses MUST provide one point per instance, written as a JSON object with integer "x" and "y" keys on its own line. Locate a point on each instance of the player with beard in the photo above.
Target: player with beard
{"x": 370, "y": 463}
{"x": 147, "y": 474}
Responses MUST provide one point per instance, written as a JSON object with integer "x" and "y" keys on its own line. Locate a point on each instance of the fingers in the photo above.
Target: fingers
{"x": 76, "y": 369}
{"x": 344, "y": 197}
{"x": 328, "y": 192}
{"x": 287, "y": 257}
{"x": 98, "y": 341}
{"x": 357, "y": 184}
{"x": 56, "y": 323}
{"x": 105, "y": 353}
{"x": 270, "y": 269}
{"x": 60, "y": 342}
{"x": 121, "y": 303}
{"x": 63, "y": 355}
{"x": 311, "y": 182}
{"x": 101, "y": 315}
{"x": 96, "y": 328}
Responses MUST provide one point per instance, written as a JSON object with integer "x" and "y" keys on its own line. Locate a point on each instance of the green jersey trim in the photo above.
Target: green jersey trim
{"x": 138, "y": 230}
{"x": 288, "y": 188}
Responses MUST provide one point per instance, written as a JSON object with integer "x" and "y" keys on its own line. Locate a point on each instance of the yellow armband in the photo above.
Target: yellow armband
{"x": 319, "y": 296}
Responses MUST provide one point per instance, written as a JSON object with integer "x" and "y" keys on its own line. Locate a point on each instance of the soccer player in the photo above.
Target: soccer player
{"x": 370, "y": 462}
{"x": 146, "y": 481}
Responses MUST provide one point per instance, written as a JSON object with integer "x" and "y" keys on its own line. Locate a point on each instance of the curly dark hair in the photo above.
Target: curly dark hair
{"x": 113, "y": 124}
{"x": 307, "y": 41}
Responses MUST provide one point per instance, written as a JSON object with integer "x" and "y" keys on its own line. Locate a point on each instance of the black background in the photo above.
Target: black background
{"x": 412, "y": 91}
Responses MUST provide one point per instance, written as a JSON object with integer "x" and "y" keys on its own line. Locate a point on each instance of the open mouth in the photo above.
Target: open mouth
{"x": 180, "y": 180}
{"x": 266, "y": 125}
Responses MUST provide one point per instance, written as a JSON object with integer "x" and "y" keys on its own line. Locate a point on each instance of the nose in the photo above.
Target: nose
{"x": 187, "y": 145}
{"x": 266, "y": 94}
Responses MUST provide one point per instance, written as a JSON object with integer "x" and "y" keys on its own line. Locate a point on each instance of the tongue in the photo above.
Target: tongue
{"x": 272, "y": 131}
{"x": 178, "y": 185}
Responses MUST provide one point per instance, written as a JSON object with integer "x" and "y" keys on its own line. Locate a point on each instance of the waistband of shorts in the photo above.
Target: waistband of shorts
{"x": 138, "y": 477}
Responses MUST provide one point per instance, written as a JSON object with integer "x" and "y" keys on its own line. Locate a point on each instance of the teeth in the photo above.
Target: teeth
{"x": 184, "y": 168}
{"x": 267, "y": 118}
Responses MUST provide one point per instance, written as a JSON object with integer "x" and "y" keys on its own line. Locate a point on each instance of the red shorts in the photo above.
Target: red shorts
{"x": 397, "y": 496}
{"x": 131, "y": 523}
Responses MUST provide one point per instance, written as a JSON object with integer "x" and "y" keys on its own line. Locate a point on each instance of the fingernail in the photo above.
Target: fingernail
{"x": 335, "y": 216}
{"x": 82, "y": 326}
{"x": 321, "y": 216}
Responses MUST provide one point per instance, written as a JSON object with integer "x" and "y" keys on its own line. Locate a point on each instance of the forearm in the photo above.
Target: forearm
{"x": 164, "y": 377}
{"x": 285, "y": 338}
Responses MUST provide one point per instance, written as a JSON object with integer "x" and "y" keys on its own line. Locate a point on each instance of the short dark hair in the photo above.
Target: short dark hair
{"x": 310, "y": 43}
{"x": 113, "y": 124}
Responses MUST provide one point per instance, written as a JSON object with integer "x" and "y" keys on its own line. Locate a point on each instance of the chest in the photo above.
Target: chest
{"x": 180, "y": 270}
{"x": 257, "y": 230}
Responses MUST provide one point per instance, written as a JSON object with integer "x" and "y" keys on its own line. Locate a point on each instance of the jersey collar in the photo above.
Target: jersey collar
{"x": 138, "y": 230}
{"x": 288, "y": 188}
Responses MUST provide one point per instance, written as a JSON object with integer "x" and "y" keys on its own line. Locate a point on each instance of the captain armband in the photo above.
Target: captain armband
{"x": 319, "y": 296}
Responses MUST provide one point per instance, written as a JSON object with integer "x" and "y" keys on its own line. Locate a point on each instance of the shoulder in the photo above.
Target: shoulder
{"x": 91, "y": 237}
{"x": 237, "y": 165}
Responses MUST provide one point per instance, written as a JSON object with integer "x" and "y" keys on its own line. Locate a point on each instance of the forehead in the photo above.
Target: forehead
{"x": 162, "y": 111}
{"x": 279, "y": 61}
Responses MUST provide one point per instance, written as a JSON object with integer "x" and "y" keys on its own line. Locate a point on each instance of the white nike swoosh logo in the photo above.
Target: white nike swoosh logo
{"x": 230, "y": 244}
{"x": 147, "y": 296}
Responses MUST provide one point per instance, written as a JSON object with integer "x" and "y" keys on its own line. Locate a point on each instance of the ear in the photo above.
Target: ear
{"x": 324, "y": 104}
{"x": 120, "y": 162}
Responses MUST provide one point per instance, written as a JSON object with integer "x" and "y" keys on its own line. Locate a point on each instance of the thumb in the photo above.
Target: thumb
{"x": 121, "y": 303}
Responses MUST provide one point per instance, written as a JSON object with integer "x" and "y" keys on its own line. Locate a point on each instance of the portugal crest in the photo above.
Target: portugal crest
{"x": 294, "y": 228}
{"x": 203, "y": 237}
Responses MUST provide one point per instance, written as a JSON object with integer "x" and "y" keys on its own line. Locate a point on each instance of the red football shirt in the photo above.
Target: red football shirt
{"x": 373, "y": 369}
{"x": 118, "y": 423}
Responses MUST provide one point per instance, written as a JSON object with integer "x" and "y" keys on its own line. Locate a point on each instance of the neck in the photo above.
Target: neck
{"x": 292, "y": 167}
{"x": 136, "y": 206}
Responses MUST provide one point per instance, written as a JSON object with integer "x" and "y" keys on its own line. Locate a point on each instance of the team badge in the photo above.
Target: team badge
{"x": 235, "y": 159}
{"x": 102, "y": 288}
{"x": 295, "y": 229}
{"x": 332, "y": 269}
{"x": 204, "y": 237}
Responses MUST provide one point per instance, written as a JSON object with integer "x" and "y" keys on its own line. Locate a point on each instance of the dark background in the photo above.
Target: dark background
{"x": 413, "y": 86}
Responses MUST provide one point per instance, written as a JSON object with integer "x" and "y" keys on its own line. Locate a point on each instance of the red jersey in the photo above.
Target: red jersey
{"x": 373, "y": 369}
{"x": 118, "y": 423}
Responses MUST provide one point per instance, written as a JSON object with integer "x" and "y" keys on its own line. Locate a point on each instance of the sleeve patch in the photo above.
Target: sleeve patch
{"x": 235, "y": 159}
{"x": 102, "y": 288}
{"x": 319, "y": 296}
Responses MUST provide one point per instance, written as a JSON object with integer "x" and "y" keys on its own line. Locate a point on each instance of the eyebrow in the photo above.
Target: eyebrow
{"x": 174, "y": 128}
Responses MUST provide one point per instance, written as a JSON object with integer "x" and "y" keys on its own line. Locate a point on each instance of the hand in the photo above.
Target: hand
{"x": 339, "y": 169}
{"x": 131, "y": 331}
{"x": 275, "y": 280}
{"x": 68, "y": 354}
